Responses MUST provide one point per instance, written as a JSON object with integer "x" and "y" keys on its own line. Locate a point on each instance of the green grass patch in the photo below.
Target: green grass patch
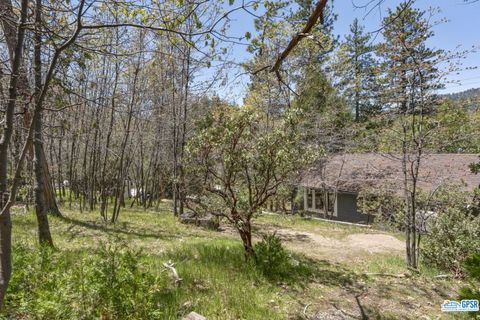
{"x": 118, "y": 282}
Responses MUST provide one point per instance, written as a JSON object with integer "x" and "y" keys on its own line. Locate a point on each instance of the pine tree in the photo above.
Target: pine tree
{"x": 327, "y": 114}
{"x": 354, "y": 68}
{"x": 411, "y": 79}
{"x": 328, "y": 117}
{"x": 409, "y": 67}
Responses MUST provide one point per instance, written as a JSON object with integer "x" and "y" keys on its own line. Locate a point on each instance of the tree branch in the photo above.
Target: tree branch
{"x": 312, "y": 21}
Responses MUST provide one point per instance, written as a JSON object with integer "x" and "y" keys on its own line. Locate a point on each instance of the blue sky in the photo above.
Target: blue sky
{"x": 460, "y": 32}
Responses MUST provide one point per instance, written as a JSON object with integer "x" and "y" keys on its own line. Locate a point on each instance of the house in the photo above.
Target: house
{"x": 333, "y": 185}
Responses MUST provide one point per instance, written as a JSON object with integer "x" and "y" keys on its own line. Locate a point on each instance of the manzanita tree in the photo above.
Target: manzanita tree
{"x": 235, "y": 165}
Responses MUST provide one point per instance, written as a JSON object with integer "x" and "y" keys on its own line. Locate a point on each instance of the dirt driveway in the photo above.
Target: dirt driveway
{"x": 348, "y": 248}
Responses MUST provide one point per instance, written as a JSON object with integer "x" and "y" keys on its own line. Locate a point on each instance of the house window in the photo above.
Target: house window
{"x": 309, "y": 198}
{"x": 319, "y": 200}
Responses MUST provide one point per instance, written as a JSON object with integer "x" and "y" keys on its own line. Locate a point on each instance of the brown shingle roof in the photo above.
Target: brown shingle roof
{"x": 354, "y": 172}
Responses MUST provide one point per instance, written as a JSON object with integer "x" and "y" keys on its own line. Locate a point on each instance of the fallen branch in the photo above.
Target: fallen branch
{"x": 305, "y": 316}
{"x": 443, "y": 276}
{"x": 170, "y": 265}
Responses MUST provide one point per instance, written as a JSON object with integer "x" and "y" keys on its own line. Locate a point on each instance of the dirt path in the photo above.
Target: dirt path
{"x": 349, "y": 248}
{"x": 362, "y": 255}
{"x": 370, "y": 285}
{"x": 396, "y": 298}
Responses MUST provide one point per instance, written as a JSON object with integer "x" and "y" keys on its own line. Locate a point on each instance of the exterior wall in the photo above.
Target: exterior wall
{"x": 345, "y": 208}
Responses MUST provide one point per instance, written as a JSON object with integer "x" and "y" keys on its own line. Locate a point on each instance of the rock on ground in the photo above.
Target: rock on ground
{"x": 194, "y": 316}
{"x": 208, "y": 221}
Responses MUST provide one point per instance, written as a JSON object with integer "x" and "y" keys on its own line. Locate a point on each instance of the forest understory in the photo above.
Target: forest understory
{"x": 96, "y": 269}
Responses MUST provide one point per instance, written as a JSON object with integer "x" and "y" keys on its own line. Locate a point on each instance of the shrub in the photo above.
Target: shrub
{"x": 111, "y": 283}
{"x": 385, "y": 205}
{"x": 472, "y": 270}
{"x": 119, "y": 282}
{"x": 454, "y": 236}
{"x": 298, "y": 201}
{"x": 272, "y": 258}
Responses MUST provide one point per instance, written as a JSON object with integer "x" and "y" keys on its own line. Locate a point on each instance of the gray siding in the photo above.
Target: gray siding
{"x": 346, "y": 209}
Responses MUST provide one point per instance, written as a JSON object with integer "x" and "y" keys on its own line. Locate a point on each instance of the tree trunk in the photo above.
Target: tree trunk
{"x": 5, "y": 219}
{"x": 39, "y": 160}
{"x": 24, "y": 91}
{"x": 48, "y": 189}
{"x": 246, "y": 235}
{"x": 44, "y": 235}
{"x": 5, "y": 249}
{"x": 122, "y": 168}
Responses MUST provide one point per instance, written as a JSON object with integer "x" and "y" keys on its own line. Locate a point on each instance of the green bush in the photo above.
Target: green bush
{"x": 110, "y": 283}
{"x": 272, "y": 258}
{"x": 120, "y": 283}
{"x": 299, "y": 200}
{"x": 454, "y": 236}
{"x": 386, "y": 206}
{"x": 472, "y": 269}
